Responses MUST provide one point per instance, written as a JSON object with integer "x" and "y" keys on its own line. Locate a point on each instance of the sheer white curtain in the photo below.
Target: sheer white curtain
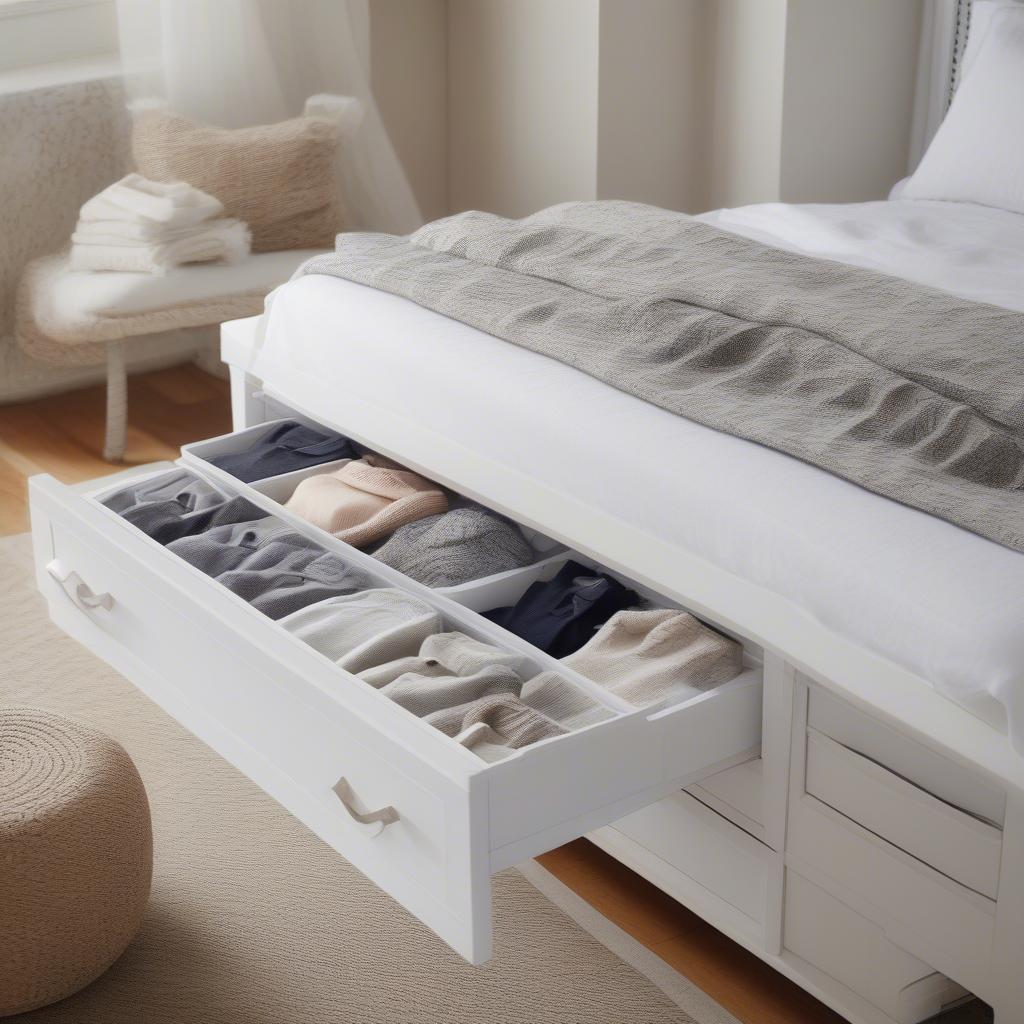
{"x": 235, "y": 63}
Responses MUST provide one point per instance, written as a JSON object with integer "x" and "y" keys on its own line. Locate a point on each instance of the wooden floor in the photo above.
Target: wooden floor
{"x": 63, "y": 435}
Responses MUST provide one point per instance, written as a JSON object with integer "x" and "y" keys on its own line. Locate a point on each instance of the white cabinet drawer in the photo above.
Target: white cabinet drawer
{"x": 855, "y": 952}
{"x": 423, "y": 817}
{"x": 951, "y": 841}
{"x": 911, "y": 760}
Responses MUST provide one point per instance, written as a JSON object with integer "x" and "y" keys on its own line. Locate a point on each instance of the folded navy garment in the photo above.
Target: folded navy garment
{"x": 178, "y": 504}
{"x": 560, "y": 615}
{"x": 286, "y": 447}
{"x": 267, "y": 563}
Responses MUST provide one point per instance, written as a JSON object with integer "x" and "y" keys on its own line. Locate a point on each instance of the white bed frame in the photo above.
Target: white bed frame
{"x": 828, "y": 810}
{"x": 874, "y": 853}
{"x": 878, "y": 840}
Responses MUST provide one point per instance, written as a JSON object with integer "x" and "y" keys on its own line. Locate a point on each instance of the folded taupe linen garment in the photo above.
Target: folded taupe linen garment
{"x": 365, "y": 629}
{"x": 451, "y": 669}
{"x": 510, "y": 722}
{"x": 365, "y": 500}
{"x": 910, "y": 392}
{"x": 443, "y": 654}
{"x": 645, "y": 657}
{"x": 275, "y": 569}
{"x": 493, "y": 726}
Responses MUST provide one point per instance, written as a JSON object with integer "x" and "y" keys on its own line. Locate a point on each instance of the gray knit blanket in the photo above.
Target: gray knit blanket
{"x": 907, "y": 391}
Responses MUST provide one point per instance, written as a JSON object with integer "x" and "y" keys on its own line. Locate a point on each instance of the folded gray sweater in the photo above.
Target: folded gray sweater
{"x": 270, "y": 565}
{"x": 457, "y": 547}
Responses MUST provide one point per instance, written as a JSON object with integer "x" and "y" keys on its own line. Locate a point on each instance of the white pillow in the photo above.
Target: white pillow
{"x": 977, "y": 155}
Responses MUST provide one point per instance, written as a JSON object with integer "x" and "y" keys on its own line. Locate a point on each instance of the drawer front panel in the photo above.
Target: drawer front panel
{"x": 856, "y": 953}
{"x": 286, "y": 735}
{"x": 904, "y": 756}
{"x": 950, "y": 927}
{"x": 958, "y": 845}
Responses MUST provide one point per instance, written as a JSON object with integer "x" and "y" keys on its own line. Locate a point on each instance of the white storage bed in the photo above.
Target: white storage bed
{"x": 850, "y": 808}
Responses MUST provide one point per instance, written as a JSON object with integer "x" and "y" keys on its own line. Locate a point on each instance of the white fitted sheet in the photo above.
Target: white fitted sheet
{"x": 925, "y": 594}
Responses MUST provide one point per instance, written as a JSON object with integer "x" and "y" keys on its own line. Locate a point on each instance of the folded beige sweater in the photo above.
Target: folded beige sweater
{"x": 645, "y": 657}
{"x": 366, "y": 500}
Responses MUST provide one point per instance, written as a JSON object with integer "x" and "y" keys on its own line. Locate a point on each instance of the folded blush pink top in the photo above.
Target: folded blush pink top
{"x": 366, "y": 500}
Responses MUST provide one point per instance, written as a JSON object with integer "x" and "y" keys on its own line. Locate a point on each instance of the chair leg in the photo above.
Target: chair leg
{"x": 117, "y": 403}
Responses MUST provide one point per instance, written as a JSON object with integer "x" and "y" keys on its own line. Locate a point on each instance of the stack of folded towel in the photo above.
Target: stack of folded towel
{"x": 150, "y": 226}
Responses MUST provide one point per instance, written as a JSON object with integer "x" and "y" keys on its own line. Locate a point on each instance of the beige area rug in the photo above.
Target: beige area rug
{"x": 253, "y": 920}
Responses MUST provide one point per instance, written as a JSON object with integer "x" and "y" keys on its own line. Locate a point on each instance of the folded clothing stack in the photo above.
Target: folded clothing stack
{"x": 366, "y": 500}
{"x": 178, "y": 504}
{"x": 275, "y": 569}
{"x": 457, "y": 547}
{"x": 365, "y": 629}
{"x": 561, "y": 614}
{"x": 285, "y": 448}
{"x": 648, "y": 656}
{"x": 148, "y": 227}
{"x": 476, "y": 693}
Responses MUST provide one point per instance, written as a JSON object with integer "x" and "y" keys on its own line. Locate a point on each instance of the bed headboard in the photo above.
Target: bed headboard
{"x": 944, "y": 28}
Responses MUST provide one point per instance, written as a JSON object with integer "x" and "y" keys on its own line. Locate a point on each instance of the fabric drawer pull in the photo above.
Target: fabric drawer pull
{"x": 382, "y": 818}
{"x": 77, "y": 589}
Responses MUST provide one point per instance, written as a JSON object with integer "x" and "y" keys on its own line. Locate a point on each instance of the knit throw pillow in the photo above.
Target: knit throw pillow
{"x": 278, "y": 178}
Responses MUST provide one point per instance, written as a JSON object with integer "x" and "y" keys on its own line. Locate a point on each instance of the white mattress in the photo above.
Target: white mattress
{"x": 928, "y": 595}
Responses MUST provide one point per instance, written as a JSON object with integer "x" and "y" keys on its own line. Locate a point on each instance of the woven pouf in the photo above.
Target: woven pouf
{"x": 76, "y": 856}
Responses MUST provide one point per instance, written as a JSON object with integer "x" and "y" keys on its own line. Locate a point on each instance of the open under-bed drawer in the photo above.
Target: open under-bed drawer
{"x": 419, "y": 814}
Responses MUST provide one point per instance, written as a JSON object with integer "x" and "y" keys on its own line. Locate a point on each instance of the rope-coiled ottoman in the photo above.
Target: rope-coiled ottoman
{"x": 76, "y": 856}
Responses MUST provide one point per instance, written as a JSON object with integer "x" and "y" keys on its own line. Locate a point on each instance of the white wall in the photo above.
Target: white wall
{"x": 744, "y": 89}
{"x": 685, "y": 103}
{"x": 848, "y": 99}
{"x": 409, "y": 75}
{"x": 522, "y": 103}
{"x": 652, "y": 102}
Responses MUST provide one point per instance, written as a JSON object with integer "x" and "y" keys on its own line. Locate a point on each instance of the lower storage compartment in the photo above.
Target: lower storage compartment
{"x": 701, "y": 855}
{"x": 856, "y": 952}
{"x": 737, "y": 794}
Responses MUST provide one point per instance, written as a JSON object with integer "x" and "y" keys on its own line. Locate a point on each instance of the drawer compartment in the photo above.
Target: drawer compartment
{"x": 856, "y": 953}
{"x": 423, "y": 817}
{"x": 694, "y": 841}
{"x": 737, "y": 794}
{"x": 953, "y": 842}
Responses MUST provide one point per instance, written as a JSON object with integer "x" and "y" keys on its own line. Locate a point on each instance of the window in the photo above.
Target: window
{"x": 56, "y": 32}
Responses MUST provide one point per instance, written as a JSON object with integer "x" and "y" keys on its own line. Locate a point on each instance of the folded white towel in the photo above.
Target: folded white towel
{"x": 143, "y": 232}
{"x": 134, "y": 198}
{"x": 226, "y": 239}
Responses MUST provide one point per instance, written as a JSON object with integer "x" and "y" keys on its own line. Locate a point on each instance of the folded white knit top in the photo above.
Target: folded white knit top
{"x": 144, "y": 226}
{"x": 646, "y": 657}
{"x": 365, "y": 629}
